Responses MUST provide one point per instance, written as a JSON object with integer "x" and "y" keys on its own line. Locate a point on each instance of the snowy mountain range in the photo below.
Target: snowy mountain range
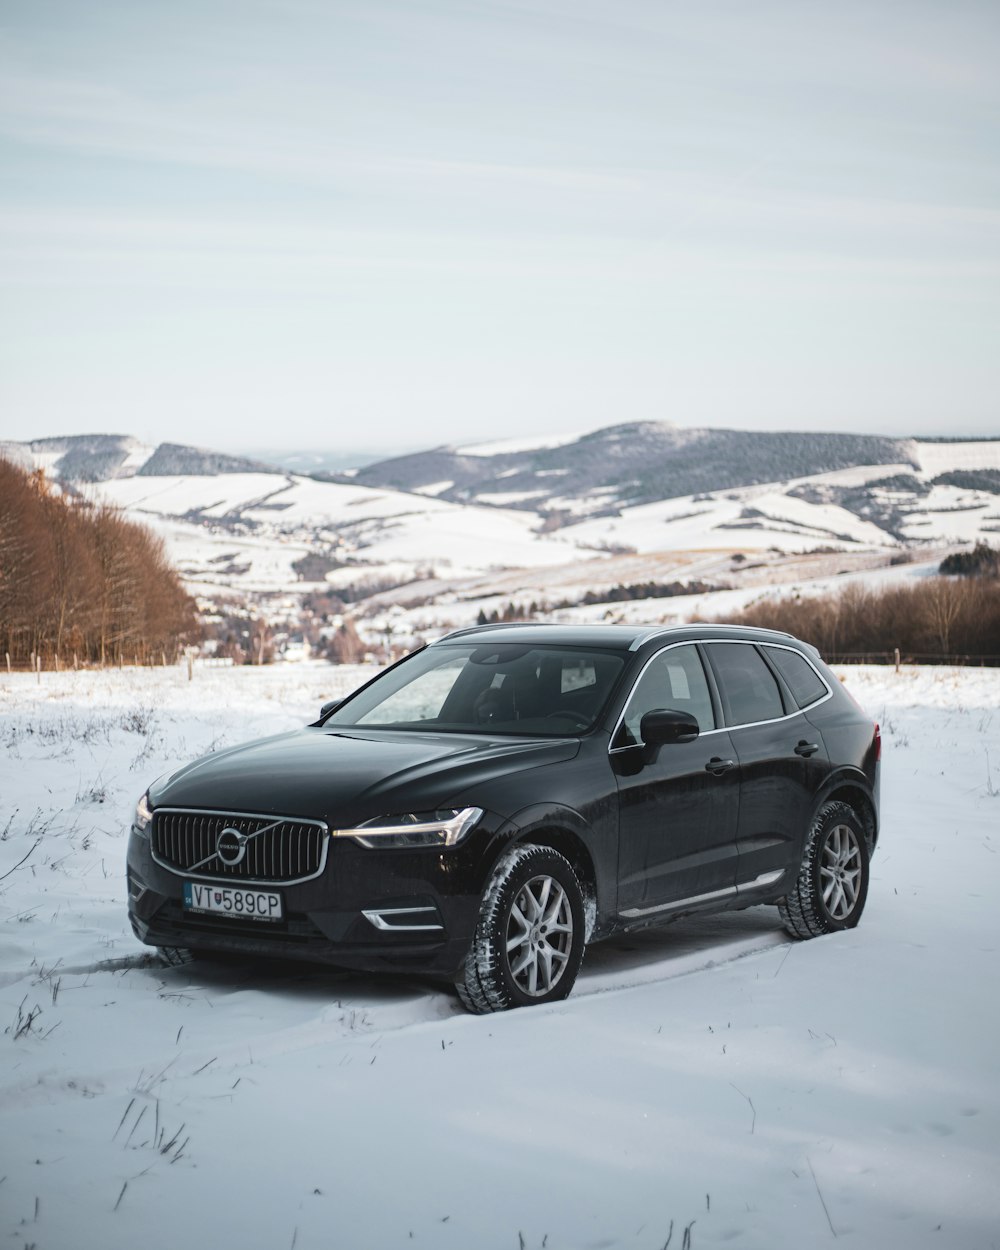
{"x": 441, "y": 535}
{"x": 627, "y": 465}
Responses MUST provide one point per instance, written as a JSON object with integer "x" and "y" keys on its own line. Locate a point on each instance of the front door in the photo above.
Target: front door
{"x": 679, "y": 810}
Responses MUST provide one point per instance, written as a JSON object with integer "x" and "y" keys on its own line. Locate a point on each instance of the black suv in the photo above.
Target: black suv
{"x": 486, "y": 807}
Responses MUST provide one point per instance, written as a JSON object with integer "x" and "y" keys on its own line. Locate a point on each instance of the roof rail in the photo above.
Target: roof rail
{"x": 657, "y": 631}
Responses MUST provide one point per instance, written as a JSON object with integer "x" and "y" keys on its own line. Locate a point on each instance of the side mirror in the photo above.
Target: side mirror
{"x": 327, "y": 708}
{"x": 666, "y": 725}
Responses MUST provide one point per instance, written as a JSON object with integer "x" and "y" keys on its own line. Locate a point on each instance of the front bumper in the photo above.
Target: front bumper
{"x": 324, "y": 918}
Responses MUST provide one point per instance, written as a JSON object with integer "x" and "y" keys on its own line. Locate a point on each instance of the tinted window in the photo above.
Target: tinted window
{"x": 673, "y": 679}
{"x": 800, "y": 676}
{"x": 749, "y": 690}
{"x": 496, "y": 688}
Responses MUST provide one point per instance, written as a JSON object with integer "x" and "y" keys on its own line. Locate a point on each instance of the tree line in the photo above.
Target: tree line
{"x": 79, "y": 584}
{"x": 935, "y": 619}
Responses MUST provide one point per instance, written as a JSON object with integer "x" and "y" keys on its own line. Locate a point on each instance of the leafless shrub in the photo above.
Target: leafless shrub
{"x": 138, "y": 720}
{"x": 937, "y": 618}
{"x": 97, "y": 792}
{"x": 25, "y": 1023}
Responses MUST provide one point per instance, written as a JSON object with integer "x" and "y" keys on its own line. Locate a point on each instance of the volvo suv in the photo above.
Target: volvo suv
{"x": 487, "y": 807}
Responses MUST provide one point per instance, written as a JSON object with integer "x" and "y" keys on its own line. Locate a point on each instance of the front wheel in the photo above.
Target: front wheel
{"x": 830, "y": 891}
{"x": 177, "y": 956}
{"x": 529, "y": 941}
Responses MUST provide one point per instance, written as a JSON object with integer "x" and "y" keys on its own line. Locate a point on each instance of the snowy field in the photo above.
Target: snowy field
{"x": 708, "y": 1084}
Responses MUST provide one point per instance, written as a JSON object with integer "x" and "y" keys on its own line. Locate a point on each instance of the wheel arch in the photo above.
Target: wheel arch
{"x": 561, "y": 836}
{"x": 856, "y": 794}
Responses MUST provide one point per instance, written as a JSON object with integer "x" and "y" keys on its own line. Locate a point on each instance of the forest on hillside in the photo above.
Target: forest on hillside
{"x": 80, "y": 584}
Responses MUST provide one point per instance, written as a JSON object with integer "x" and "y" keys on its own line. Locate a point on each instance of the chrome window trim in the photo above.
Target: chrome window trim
{"x": 747, "y": 642}
{"x": 238, "y": 883}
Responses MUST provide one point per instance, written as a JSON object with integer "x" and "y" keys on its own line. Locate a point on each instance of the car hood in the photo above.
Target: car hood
{"x": 348, "y": 776}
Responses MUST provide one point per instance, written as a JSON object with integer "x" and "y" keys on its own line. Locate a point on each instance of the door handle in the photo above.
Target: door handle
{"x": 717, "y": 766}
{"x": 805, "y": 749}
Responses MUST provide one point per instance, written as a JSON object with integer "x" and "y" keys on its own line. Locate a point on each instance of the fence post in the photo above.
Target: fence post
{"x": 190, "y": 667}
{"x": 7, "y": 654}
{"x": 897, "y": 659}
{"x": 38, "y": 668}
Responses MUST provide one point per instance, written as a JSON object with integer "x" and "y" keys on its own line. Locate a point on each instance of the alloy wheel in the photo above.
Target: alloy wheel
{"x": 539, "y": 937}
{"x": 840, "y": 871}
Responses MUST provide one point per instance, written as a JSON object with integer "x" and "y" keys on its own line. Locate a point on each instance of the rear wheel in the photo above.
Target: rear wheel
{"x": 529, "y": 940}
{"x": 832, "y": 885}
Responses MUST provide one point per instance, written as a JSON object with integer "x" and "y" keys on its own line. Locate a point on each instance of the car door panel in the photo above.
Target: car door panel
{"x": 777, "y": 789}
{"x": 678, "y": 802}
{"x": 677, "y": 824}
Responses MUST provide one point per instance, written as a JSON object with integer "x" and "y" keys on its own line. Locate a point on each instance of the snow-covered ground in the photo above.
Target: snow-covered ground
{"x": 709, "y": 1079}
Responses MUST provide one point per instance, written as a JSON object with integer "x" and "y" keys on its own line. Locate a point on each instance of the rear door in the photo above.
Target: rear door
{"x": 678, "y": 811}
{"x": 782, "y": 760}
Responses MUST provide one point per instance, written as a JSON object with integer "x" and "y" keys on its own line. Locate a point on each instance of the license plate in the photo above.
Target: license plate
{"x": 236, "y": 902}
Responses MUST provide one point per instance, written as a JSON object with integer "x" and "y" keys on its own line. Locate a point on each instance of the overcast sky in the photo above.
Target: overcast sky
{"x": 390, "y": 223}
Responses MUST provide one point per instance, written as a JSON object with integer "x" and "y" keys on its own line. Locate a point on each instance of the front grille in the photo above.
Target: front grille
{"x": 277, "y": 849}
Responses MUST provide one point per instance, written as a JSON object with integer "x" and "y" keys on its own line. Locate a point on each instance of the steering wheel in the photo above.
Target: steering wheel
{"x": 568, "y": 713}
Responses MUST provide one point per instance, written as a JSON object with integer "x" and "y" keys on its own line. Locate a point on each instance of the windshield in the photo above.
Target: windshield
{"x": 495, "y": 688}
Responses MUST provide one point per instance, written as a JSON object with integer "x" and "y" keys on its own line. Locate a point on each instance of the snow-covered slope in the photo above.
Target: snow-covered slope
{"x": 405, "y": 534}
{"x": 243, "y": 515}
{"x": 942, "y": 457}
{"x": 749, "y": 519}
{"x": 441, "y": 521}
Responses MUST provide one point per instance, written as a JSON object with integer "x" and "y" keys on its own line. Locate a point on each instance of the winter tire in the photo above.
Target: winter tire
{"x": 177, "y": 956}
{"x": 529, "y": 941}
{"x": 830, "y": 891}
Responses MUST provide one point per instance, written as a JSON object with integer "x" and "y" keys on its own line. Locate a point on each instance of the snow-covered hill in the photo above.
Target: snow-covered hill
{"x": 449, "y": 533}
{"x": 245, "y": 530}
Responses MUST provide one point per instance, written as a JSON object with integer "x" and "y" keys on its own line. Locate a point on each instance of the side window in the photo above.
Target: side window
{"x": 800, "y": 676}
{"x": 674, "y": 679}
{"x": 749, "y": 691}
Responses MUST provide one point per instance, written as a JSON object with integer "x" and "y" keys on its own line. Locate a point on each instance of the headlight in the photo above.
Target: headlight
{"x": 441, "y": 828}
{"x": 143, "y": 814}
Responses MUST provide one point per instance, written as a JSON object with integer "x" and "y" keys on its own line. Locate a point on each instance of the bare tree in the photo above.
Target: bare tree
{"x": 78, "y": 581}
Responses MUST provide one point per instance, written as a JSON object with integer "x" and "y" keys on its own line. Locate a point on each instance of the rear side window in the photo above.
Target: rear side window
{"x": 800, "y": 676}
{"x": 749, "y": 690}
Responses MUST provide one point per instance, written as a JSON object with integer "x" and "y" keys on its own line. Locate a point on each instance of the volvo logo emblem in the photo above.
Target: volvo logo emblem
{"x": 231, "y": 846}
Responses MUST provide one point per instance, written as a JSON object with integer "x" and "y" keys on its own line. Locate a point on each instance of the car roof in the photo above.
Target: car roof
{"x": 617, "y": 637}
